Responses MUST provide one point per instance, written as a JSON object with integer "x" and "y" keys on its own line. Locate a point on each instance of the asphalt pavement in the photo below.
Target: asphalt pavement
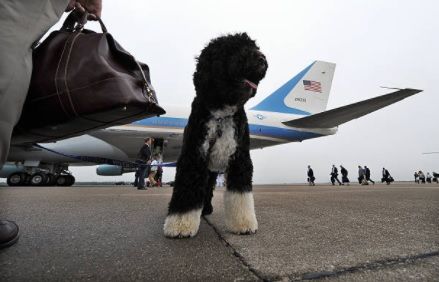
{"x": 114, "y": 233}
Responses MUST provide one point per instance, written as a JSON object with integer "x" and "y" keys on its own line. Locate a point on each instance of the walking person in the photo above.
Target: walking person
{"x": 144, "y": 161}
{"x": 344, "y": 175}
{"x": 428, "y": 177}
{"x": 153, "y": 171}
{"x": 421, "y": 177}
{"x": 416, "y": 177}
{"x": 334, "y": 175}
{"x": 22, "y": 24}
{"x": 361, "y": 176}
{"x": 367, "y": 174}
{"x": 311, "y": 177}
{"x": 220, "y": 180}
{"x": 387, "y": 177}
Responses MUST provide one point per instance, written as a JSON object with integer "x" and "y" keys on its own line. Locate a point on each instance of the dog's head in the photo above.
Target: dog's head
{"x": 229, "y": 70}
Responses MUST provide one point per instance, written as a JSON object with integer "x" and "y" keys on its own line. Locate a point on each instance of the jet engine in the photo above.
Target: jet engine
{"x": 112, "y": 170}
{"x": 109, "y": 170}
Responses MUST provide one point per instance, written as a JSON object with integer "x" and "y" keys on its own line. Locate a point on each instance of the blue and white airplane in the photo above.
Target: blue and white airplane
{"x": 294, "y": 112}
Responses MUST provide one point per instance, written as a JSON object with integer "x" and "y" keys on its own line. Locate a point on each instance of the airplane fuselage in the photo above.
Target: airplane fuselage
{"x": 123, "y": 142}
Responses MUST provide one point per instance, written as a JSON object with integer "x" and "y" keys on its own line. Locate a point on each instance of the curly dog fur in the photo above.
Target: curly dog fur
{"x": 216, "y": 138}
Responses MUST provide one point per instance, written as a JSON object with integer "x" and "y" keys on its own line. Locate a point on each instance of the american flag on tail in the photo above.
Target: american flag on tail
{"x": 311, "y": 85}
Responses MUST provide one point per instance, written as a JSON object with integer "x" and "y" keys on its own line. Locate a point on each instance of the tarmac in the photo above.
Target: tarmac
{"x": 326, "y": 233}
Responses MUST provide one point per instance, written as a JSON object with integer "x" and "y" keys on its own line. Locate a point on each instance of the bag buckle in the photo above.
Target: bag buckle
{"x": 146, "y": 87}
{"x": 149, "y": 93}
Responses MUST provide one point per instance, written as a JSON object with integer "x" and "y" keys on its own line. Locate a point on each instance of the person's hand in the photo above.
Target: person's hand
{"x": 93, "y": 7}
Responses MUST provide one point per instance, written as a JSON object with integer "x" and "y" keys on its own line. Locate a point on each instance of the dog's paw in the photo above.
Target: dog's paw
{"x": 240, "y": 213}
{"x": 182, "y": 225}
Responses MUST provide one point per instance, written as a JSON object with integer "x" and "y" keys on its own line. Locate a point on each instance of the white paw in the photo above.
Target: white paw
{"x": 240, "y": 212}
{"x": 182, "y": 225}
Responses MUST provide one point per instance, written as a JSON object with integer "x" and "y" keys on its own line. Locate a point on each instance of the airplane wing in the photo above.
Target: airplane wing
{"x": 335, "y": 117}
{"x": 100, "y": 160}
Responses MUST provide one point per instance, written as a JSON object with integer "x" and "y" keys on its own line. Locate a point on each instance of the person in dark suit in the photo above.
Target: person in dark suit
{"x": 386, "y": 177}
{"x": 344, "y": 175}
{"x": 311, "y": 177}
{"x": 367, "y": 174}
{"x": 144, "y": 160}
{"x": 334, "y": 175}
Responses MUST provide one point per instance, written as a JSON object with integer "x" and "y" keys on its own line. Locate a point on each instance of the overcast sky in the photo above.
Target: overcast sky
{"x": 374, "y": 43}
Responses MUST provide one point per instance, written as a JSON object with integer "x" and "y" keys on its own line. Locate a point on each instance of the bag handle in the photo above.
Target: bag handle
{"x": 76, "y": 21}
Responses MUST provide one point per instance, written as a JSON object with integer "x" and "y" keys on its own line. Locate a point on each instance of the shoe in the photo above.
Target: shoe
{"x": 8, "y": 233}
{"x": 142, "y": 188}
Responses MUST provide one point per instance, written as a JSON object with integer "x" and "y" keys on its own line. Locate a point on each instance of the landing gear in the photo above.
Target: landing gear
{"x": 17, "y": 179}
{"x": 41, "y": 178}
{"x": 50, "y": 180}
{"x": 65, "y": 180}
{"x": 38, "y": 179}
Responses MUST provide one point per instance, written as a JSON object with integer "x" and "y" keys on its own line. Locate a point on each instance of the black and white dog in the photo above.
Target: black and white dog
{"x": 216, "y": 138}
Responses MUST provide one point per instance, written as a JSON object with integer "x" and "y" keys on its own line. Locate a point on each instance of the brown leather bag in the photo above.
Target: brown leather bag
{"x": 81, "y": 81}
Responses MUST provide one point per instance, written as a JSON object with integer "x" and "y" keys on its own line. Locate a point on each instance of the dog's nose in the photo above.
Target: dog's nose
{"x": 262, "y": 62}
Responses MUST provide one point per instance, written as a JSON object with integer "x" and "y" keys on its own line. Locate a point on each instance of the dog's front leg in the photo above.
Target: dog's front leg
{"x": 211, "y": 183}
{"x": 186, "y": 204}
{"x": 239, "y": 208}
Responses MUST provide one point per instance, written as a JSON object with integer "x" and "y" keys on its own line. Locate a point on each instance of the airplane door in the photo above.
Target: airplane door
{"x": 159, "y": 146}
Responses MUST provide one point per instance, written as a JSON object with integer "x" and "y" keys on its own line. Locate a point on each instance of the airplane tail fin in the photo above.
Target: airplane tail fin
{"x": 337, "y": 116}
{"x": 305, "y": 94}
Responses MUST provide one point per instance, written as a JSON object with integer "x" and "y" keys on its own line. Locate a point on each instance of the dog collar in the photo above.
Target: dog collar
{"x": 252, "y": 85}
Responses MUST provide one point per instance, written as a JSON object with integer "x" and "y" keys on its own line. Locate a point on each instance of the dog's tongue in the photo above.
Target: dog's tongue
{"x": 251, "y": 84}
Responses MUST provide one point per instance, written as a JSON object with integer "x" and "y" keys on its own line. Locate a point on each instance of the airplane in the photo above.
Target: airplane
{"x": 293, "y": 113}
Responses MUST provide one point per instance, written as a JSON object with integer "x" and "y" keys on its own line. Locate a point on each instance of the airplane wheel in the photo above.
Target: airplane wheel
{"x": 61, "y": 180}
{"x": 70, "y": 180}
{"x": 51, "y": 179}
{"x": 16, "y": 179}
{"x": 65, "y": 180}
{"x": 27, "y": 178}
{"x": 38, "y": 179}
